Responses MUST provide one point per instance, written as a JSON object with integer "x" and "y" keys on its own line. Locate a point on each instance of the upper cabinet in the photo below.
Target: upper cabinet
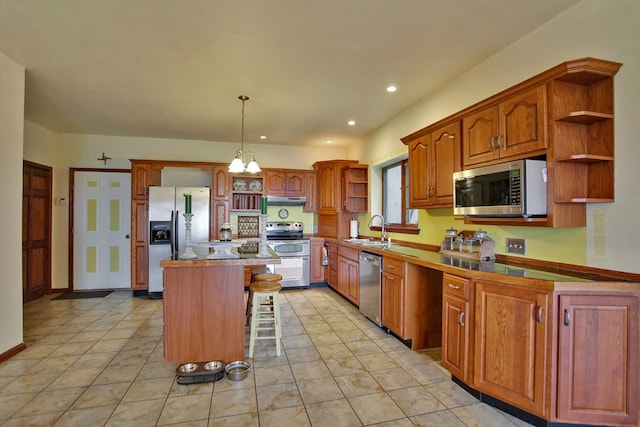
{"x": 563, "y": 115}
{"x": 432, "y": 160}
{"x": 290, "y": 183}
{"x": 355, "y": 188}
{"x": 511, "y": 128}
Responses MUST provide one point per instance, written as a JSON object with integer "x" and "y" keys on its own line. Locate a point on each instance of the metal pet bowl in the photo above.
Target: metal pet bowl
{"x": 238, "y": 370}
{"x": 186, "y": 368}
{"x": 214, "y": 366}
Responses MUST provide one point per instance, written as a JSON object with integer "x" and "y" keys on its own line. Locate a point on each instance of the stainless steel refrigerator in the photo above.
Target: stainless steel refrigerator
{"x": 167, "y": 226}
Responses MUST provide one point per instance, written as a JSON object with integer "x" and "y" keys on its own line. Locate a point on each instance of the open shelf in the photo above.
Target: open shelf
{"x": 585, "y": 117}
{"x": 585, "y": 158}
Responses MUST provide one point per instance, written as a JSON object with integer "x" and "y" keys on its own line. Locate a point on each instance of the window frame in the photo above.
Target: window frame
{"x": 398, "y": 227}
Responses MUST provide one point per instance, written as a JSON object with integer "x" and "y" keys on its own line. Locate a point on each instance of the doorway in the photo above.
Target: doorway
{"x": 36, "y": 230}
{"x": 100, "y": 221}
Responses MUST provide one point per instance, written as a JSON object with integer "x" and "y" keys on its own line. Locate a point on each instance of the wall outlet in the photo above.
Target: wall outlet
{"x": 516, "y": 246}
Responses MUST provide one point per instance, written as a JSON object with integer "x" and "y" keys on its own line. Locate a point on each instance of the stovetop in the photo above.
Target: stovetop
{"x": 284, "y": 230}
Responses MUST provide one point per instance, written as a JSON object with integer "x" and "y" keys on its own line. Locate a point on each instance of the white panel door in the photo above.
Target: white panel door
{"x": 101, "y": 228}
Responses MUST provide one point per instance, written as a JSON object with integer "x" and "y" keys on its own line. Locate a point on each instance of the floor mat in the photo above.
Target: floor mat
{"x": 83, "y": 294}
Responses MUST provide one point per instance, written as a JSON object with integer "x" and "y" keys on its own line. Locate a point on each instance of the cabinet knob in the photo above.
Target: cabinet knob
{"x": 452, "y": 286}
{"x": 461, "y": 319}
{"x": 567, "y": 317}
{"x": 540, "y": 312}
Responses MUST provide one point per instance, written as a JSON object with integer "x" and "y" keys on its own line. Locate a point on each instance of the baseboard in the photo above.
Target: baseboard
{"x": 12, "y": 352}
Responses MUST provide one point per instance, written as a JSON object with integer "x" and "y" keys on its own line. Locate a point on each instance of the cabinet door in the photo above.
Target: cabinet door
{"x": 139, "y": 245}
{"x": 316, "y": 271}
{"x": 479, "y": 137}
{"x": 140, "y": 180}
{"x": 311, "y": 183}
{"x": 343, "y": 276}
{"x": 598, "y": 359}
{"x": 327, "y": 188}
{"x": 274, "y": 183}
{"x": 455, "y": 340}
{"x": 522, "y": 123}
{"x": 510, "y": 344}
{"x": 221, "y": 184}
{"x": 393, "y": 302}
{"x": 445, "y": 144}
{"x": 420, "y": 172}
{"x": 294, "y": 184}
{"x": 354, "y": 282}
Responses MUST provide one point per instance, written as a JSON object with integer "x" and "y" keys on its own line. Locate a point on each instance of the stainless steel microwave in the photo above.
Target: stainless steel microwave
{"x": 515, "y": 189}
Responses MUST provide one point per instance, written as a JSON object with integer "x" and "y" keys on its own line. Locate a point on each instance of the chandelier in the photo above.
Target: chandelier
{"x": 239, "y": 164}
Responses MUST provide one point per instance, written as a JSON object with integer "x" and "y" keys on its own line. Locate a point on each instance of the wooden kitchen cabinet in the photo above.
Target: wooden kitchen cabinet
{"x": 333, "y": 218}
{"x": 598, "y": 346}
{"x": 283, "y": 182}
{"x": 432, "y": 160}
{"x": 355, "y": 193}
{"x": 514, "y": 127}
{"x": 393, "y": 296}
{"x": 311, "y": 205}
{"x": 564, "y": 115}
{"x": 457, "y": 324}
{"x": 316, "y": 270}
{"x": 511, "y": 344}
{"x": 412, "y": 302}
{"x": 348, "y": 274}
{"x": 332, "y": 259}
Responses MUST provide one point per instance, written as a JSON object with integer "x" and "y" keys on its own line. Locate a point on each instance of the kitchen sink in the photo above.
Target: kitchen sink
{"x": 368, "y": 242}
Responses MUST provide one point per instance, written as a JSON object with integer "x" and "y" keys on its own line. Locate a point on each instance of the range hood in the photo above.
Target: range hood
{"x": 286, "y": 201}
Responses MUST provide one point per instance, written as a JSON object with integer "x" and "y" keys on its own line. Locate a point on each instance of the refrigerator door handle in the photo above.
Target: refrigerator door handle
{"x": 176, "y": 240}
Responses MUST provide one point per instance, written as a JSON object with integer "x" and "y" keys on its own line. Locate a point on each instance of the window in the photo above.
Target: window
{"x": 395, "y": 199}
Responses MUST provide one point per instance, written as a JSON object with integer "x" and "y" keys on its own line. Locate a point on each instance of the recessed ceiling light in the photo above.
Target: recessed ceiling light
{"x": 328, "y": 141}
{"x": 391, "y": 88}
{"x": 351, "y": 122}
{"x": 263, "y": 136}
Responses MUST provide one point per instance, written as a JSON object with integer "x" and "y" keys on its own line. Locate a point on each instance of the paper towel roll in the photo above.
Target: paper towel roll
{"x": 353, "y": 229}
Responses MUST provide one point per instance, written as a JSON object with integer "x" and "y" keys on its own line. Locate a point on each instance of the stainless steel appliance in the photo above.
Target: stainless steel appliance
{"x": 166, "y": 226}
{"x": 517, "y": 188}
{"x": 286, "y": 239}
{"x": 370, "y": 274}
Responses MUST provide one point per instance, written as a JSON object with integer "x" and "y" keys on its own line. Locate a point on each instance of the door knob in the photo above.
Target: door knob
{"x": 127, "y": 236}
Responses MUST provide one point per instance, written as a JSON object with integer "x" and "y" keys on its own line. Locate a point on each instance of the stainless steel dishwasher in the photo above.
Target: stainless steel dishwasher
{"x": 370, "y": 300}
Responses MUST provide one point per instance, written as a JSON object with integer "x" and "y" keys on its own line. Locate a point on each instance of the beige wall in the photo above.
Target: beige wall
{"x": 599, "y": 28}
{"x": 11, "y": 136}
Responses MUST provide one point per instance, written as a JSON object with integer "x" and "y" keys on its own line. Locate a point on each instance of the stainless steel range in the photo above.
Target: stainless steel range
{"x": 286, "y": 239}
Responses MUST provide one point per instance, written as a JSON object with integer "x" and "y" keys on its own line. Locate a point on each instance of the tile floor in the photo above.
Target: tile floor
{"x": 98, "y": 361}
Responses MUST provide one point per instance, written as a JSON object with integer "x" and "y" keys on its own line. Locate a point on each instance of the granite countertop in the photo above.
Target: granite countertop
{"x": 220, "y": 253}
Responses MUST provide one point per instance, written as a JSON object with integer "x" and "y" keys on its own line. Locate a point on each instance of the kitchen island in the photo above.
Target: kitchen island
{"x": 203, "y": 307}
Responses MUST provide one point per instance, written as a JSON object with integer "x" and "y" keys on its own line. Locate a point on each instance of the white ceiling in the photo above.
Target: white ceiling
{"x": 175, "y": 68}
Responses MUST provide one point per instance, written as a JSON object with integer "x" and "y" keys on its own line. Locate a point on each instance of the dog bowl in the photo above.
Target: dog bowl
{"x": 214, "y": 366}
{"x": 238, "y": 370}
{"x": 187, "y": 368}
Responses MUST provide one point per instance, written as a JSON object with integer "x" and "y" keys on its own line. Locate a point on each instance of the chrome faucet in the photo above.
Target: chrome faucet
{"x": 383, "y": 234}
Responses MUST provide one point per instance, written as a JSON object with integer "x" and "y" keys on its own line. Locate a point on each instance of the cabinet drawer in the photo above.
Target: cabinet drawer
{"x": 393, "y": 266}
{"x": 454, "y": 285}
{"x": 349, "y": 253}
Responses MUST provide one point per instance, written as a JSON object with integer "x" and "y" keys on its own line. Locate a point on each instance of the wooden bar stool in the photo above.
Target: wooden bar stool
{"x": 260, "y": 274}
{"x": 265, "y": 320}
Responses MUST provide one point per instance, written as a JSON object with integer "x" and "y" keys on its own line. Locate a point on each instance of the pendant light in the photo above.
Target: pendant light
{"x": 238, "y": 164}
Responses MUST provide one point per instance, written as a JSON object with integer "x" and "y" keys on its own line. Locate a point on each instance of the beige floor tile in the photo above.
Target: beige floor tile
{"x": 29, "y": 383}
{"x": 416, "y": 401}
{"x": 136, "y": 414}
{"x": 335, "y": 413}
{"x": 118, "y": 374}
{"x": 43, "y": 420}
{"x": 93, "y": 360}
{"x": 278, "y": 396}
{"x": 294, "y": 416}
{"x": 242, "y": 420}
{"x": 271, "y": 375}
{"x": 358, "y": 384}
{"x": 302, "y": 354}
{"x": 333, "y": 351}
{"x": 14, "y": 368}
{"x": 393, "y": 379}
{"x": 12, "y": 403}
{"x": 148, "y": 389}
{"x": 375, "y": 408}
{"x": 345, "y": 366}
{"x": 98, "y": 395}
{"x": 75, "y": 378}
{"x": 351, "y": 335}
{"x": 95, "y": 416}
{"x": 437, "y": 419}
{"x": 50, "y": 401}
{"x": 295, "y": 341}
{"x": 450, "y": 394}
{"x": 233, "y": 402}
{"x": 428, "y": 373}
{"x": 319, "y": 390}
{"x": 310, "y": 370}
{"x": 185, "y": 408}
{"x": 377, "y": 362}
{"x": 318, "y": 328}
{"x": 481, "y": 415}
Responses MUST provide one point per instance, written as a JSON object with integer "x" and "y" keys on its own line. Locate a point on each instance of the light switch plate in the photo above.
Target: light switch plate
{"x": 516, "y": 246}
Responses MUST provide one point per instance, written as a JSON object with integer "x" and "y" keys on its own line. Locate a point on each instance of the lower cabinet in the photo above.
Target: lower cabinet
{"x": 316, "y": 269}
{"x": 560, "y": 352}
{"x": 411, "y": 298}
{"x": 510, "y": 348}
{"x": 348, "y": 274}
{"x": 598, "y": 363}
{"x": 456, "y": 326}
{"x": 332, "y": 270}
